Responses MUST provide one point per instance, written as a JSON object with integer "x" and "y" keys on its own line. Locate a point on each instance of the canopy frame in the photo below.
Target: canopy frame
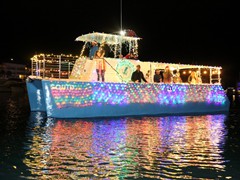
{"x": 114, "y": 41}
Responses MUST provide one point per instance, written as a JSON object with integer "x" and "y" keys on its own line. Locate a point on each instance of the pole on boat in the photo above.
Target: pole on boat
{"x": 39, "y": 68}
{"x": 114, "y": 69}
{"x": 83, "y": 49}
{"x": 210, "y": 74}
{"x": 69, "y": 68}
{"x": 219, "y": 77}
{"x": 44, "y": 60}
{"x": 150, "y": 73}
{"x": 59, "y": 75}
{"x": 122, "y": 33}
{"x": 121, "y": 14}
{"x": 36, "y": 65}
{"x": 32, "y": 66}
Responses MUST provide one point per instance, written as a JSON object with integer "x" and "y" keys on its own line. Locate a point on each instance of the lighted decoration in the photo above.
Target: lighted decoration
{"x": 71, "y": 94}
{"x": 78, "y": 68}
{"x": 114, "y": 41}
{"x": 125, "y": 69}
{"x": 81, "y": 54}
{"x": 82, "y": 94}
{"x": 122, "y": 33}
{"x": 43, "y": 63}
{"x": 216, "y": 95}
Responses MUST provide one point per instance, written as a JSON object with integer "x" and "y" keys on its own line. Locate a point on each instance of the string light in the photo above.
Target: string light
{"x": 82, "y": 94}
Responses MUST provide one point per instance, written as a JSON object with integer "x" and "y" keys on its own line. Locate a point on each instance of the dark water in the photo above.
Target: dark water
{"x": 173, "y": 147}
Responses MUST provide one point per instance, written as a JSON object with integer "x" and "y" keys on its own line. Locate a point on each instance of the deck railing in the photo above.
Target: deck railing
{"x": 52, "y": 66}
{"x": 61, "y": 66}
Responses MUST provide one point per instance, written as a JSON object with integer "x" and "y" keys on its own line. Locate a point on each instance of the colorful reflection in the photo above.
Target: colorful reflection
{"x": 172, "y": 147}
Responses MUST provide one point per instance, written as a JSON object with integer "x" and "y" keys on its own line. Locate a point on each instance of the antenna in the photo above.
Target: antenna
{"x": 121, "y": 14}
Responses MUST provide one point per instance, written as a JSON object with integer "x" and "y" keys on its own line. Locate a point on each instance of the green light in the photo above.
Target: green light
{"x": 125, "y": 69}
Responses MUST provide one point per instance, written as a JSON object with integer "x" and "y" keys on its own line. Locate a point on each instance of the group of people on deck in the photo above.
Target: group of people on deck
{"x": 166, "y": 76}
{"x": 99, "y": 52}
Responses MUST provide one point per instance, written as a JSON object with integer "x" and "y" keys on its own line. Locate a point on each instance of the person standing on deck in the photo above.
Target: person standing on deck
{"x": 93, "y": 49}
{"x": 193, "y": 78}
{"x": 157, "y": 78}
{"x": 167, "y": 75}
{"x": 100, "y": 64}
{"x": 106, "y": 49}
{"x": 137, "y": 76}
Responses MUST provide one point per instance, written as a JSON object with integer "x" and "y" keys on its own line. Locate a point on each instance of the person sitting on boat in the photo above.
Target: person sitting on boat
{"x": 93, "y": 49}
{"x": 100, "y": 64}
{"x": 167, "y": 75}
{"x": 137, "y": 76}
{"x": 120, "y": 56}
{"x": 176, "y": 77}
{"x": 157, "y": 78}
{"x": 130, "y": 55}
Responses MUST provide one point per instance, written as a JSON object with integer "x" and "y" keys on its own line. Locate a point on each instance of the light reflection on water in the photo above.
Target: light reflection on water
{"x": 174, "y": 147}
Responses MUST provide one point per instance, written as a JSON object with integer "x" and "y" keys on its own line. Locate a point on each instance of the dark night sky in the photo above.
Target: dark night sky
{"x": 193, "y": 32}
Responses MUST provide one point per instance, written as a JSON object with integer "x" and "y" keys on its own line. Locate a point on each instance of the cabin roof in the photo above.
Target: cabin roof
{"x": 110, "y": 39}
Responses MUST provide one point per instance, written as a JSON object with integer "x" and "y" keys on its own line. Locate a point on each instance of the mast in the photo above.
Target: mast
{"x": 121, "y": 32}
{"x": 121, "y": 15}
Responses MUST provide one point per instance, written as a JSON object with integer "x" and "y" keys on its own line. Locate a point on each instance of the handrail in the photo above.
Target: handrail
{"x": 113, "y": 69}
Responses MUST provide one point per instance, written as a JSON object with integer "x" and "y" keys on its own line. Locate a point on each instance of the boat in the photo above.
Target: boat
{"x": 66, "y": 86}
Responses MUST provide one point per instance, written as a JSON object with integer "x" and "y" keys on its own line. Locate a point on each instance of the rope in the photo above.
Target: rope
{"x": 113, "y": 69}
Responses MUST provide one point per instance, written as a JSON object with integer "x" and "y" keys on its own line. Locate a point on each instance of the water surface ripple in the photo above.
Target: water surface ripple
{"x": 176, "y": 147}
{"x": 172, "y": 147}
